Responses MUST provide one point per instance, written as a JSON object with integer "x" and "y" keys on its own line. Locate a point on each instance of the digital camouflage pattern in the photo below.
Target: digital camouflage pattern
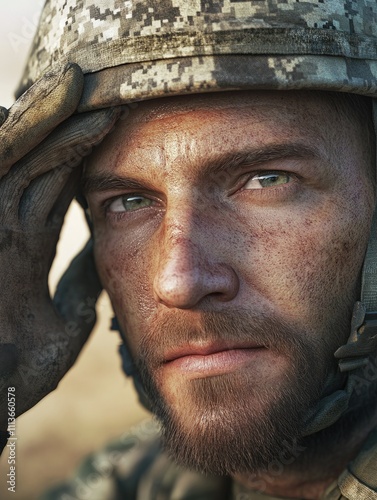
{"x": 154, "y": 48}
{"x": 136, "y": 468}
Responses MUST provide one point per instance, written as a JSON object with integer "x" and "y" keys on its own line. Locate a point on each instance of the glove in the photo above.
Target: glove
{"x": 41, "y": 148}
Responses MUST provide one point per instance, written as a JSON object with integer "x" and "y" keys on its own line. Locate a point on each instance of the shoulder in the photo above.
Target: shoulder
{"x": 359, "y": 480}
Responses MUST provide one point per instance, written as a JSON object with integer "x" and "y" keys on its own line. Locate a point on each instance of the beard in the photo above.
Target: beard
{"x": 237, "y": 422}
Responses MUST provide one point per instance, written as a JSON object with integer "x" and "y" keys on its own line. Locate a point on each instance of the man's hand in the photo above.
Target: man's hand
{"x": 40, "y": 149}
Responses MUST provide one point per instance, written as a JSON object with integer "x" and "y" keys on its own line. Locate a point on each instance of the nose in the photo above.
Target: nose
{"x": 188, "y": 273}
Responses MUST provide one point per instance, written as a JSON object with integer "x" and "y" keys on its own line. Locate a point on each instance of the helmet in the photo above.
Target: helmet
{"x": 142, "y": 49}
{"x": 139, "y": 49}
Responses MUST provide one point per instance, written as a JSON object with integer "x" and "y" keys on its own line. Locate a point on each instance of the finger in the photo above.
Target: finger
{"x": 38, "y": 111}
{"x": 54, "y": 189}
{"x": 55, "y": 217}
{"x": 66, "y": 146}
{"x": 77, "y": 293}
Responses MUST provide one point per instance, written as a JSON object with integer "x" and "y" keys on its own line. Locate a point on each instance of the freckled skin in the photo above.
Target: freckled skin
{"x": 294, "y": 250}
{"x": 279, "y": 248}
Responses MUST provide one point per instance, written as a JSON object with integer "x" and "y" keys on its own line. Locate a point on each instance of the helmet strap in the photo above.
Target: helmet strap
{"x": 129, "y": 366}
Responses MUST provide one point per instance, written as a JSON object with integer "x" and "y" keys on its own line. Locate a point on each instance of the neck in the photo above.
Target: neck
{"x": 306, "y": 468}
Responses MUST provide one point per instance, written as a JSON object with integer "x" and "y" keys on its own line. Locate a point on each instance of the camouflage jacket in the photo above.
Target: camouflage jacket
{"x": 135, "y": 468}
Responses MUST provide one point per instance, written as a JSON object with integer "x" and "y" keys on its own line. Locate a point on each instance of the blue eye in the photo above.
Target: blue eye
{"x": 129, "y": 203}
{"x": 267, "y": 179}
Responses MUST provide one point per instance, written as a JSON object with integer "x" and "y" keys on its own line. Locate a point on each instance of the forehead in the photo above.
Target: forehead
{"x": 284, "y": 104}
{"x": 197, "y": 126}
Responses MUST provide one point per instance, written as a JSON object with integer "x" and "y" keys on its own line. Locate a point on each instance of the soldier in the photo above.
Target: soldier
{"x": 231, "y": 208}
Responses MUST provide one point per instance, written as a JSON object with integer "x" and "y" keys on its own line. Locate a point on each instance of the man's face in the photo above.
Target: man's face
{"x": 230, "y": 231}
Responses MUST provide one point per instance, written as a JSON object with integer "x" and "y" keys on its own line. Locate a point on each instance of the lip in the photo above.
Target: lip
{"x": 211, "y": 360}
{"x": 205, "y": 349}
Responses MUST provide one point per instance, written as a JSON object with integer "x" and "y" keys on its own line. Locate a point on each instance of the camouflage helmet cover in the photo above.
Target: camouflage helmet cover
{"x": 138, "y": 49}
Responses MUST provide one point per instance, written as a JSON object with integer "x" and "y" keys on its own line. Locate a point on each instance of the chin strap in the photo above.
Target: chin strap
{"x": 352, "y": 357}
{"x": 129, "y": 367}
{"x": 362, "y": 342}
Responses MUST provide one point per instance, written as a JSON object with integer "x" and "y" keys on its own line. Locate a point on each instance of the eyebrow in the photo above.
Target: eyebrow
{"x": 213, "y": 166}
{"x": 109, "y": 182}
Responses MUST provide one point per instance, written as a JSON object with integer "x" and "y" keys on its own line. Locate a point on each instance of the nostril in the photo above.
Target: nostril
{"x": 186, "y": 288}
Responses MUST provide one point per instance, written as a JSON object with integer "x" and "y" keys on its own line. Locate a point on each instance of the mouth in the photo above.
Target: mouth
{"x": 211, "y": 360}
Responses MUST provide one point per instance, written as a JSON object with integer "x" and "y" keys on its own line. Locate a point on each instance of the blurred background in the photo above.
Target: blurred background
{"x": 95, "y": 402}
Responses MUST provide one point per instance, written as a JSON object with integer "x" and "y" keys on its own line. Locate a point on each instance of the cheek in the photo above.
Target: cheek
{"x": 124, "y": 270}
{"x": 334, "y": 246}
{"x": 307, "y": 266}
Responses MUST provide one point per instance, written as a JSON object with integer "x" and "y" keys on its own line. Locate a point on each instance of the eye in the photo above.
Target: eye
{"x": 129, "y": 203}
{"x": 267, "y": 180}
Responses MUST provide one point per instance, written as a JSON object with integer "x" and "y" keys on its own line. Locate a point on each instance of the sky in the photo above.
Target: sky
{"x": 19, "y": 19}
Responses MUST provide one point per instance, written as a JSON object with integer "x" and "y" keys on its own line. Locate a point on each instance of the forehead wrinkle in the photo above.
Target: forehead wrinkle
{"x": 137, "y": 151}
{"x": 212, "y": 167}
{"x": 175, "y": 106}
{"x": 130, "y": 152}
{"x": 169, "y": 151}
